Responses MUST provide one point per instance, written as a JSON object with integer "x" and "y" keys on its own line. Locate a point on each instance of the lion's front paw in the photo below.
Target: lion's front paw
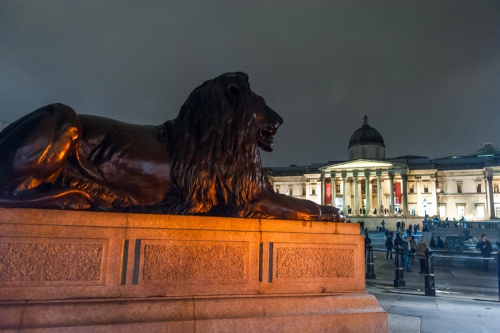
{"x": 332, "y": 214}
{"x": 72, "y": 202}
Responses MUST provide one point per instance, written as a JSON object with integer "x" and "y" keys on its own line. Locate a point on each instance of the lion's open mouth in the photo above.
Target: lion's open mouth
{"x": 265, "y": 138}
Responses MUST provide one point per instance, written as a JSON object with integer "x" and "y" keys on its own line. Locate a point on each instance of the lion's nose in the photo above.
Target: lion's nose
{"x": 279, "y": 122}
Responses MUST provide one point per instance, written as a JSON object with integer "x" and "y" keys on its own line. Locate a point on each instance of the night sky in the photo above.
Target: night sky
{"x": 426, "y": 73}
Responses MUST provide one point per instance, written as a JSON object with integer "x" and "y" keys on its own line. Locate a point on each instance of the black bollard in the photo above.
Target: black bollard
{"x": 370, "y": 269}
{"x": 430, "y": 287}
{"x": 399, "y": 278}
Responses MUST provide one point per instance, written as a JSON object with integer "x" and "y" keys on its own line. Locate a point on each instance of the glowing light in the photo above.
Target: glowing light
{"x": 360, "y": 164}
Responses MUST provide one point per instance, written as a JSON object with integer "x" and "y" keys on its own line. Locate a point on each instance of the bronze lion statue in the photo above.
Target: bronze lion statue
{"x": 206, "y": 161}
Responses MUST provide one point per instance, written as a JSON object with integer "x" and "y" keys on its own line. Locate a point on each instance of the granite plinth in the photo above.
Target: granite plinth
{"x": 80, "y": 271}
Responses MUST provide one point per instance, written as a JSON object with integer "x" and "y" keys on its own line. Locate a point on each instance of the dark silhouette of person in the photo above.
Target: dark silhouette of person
{"x": 485, "y": 247}
{"x": 421, "y": 246}
{"x": 432, "y": 243}
{"x": 389, "y": 245}
{"x": 439, "y": 242}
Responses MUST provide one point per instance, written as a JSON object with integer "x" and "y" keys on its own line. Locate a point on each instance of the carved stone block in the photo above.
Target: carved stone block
{"x": 39, "y": 260}
{"x": 314, "y": 262}
{"x": 195, "y": 261}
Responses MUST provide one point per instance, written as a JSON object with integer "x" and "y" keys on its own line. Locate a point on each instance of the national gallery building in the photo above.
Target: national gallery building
{"x": 368, "y": 184}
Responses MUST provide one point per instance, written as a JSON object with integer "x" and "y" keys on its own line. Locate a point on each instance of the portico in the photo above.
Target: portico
{"x": 365, "y": 187}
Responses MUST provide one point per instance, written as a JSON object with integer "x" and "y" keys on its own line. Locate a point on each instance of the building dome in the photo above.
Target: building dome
{"x": 366, "y": 135}
{"x": 487, "y": 151}
{"x": 366, "y": 142}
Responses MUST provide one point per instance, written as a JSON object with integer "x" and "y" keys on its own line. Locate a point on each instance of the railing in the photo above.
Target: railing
{"x": 461, "y": 224}
{"x": 429, "y": 281}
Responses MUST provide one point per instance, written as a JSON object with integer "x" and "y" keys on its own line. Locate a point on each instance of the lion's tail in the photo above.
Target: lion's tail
{"x": 59, "y": 199}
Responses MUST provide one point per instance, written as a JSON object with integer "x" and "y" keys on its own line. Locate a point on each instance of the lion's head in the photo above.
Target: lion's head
{"x": 216, "y": 160}
{"x": 228, "y": 100}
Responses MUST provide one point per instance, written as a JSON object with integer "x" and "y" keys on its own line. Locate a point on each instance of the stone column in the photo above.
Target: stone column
{"x": 333, "y": 187}
{"x": 379, "y": 193}
{"x": 491, "y": 203}
{"x": 391, "y": 203}
{"x": 404, "y": 180}
{"x": 344, "y": 194}
{"x": 323, "y": 189}
{"x": 418, "y": 181}
{"x": 368, "y": 192}
{"x": 356, "y": 203}
{"x": 435, "y": 194}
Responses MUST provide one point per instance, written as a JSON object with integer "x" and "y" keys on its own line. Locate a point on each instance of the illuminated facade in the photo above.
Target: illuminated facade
{"x": 368, "y": 184}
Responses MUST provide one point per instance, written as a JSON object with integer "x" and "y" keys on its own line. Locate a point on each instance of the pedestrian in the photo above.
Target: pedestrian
{"x": 398, "y": 241}
{"x": 413, "y": 247}
{"x": 408, "y": 232}
{"x": 439, "y": 242}
{"x": 421, "y": 246}
{"x": 398, "y": 225}
{"x": 432, "y": 242}
{"x": 368, "y": 241}
{"x": 389, "y": 245}
{"x": 485, "y": 247}
{"x": 406, "y": 254}
{"x": 415, "y": 228}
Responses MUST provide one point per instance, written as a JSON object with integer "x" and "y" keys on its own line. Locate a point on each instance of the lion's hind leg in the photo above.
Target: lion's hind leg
{"x": 34, "y": 148}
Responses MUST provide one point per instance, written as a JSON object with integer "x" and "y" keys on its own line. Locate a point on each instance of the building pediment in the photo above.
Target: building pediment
{"x": 363, "y": 164}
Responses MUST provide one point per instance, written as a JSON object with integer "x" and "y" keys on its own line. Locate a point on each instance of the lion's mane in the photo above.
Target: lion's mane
{"x": 216, "y": 164}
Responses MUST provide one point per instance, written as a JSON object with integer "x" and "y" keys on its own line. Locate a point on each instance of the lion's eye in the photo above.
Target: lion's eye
{"x": 262, "y": 104}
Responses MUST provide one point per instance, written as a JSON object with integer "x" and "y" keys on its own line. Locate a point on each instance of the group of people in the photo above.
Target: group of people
{"x": 401, "y": 226}
{"x": 411, "y": 248}
{"x": 436, "y": 243}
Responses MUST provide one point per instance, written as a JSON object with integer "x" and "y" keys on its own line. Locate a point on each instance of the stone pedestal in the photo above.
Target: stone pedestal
{"x": 89, "y": 271}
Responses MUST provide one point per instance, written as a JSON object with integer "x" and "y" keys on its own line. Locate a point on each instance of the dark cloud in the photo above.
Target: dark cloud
{"x": 426, "y": 73}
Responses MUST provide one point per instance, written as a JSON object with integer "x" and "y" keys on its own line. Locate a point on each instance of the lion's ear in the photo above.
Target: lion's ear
{"x": 232, "y": 89}
{"x": 233, "y": 93}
